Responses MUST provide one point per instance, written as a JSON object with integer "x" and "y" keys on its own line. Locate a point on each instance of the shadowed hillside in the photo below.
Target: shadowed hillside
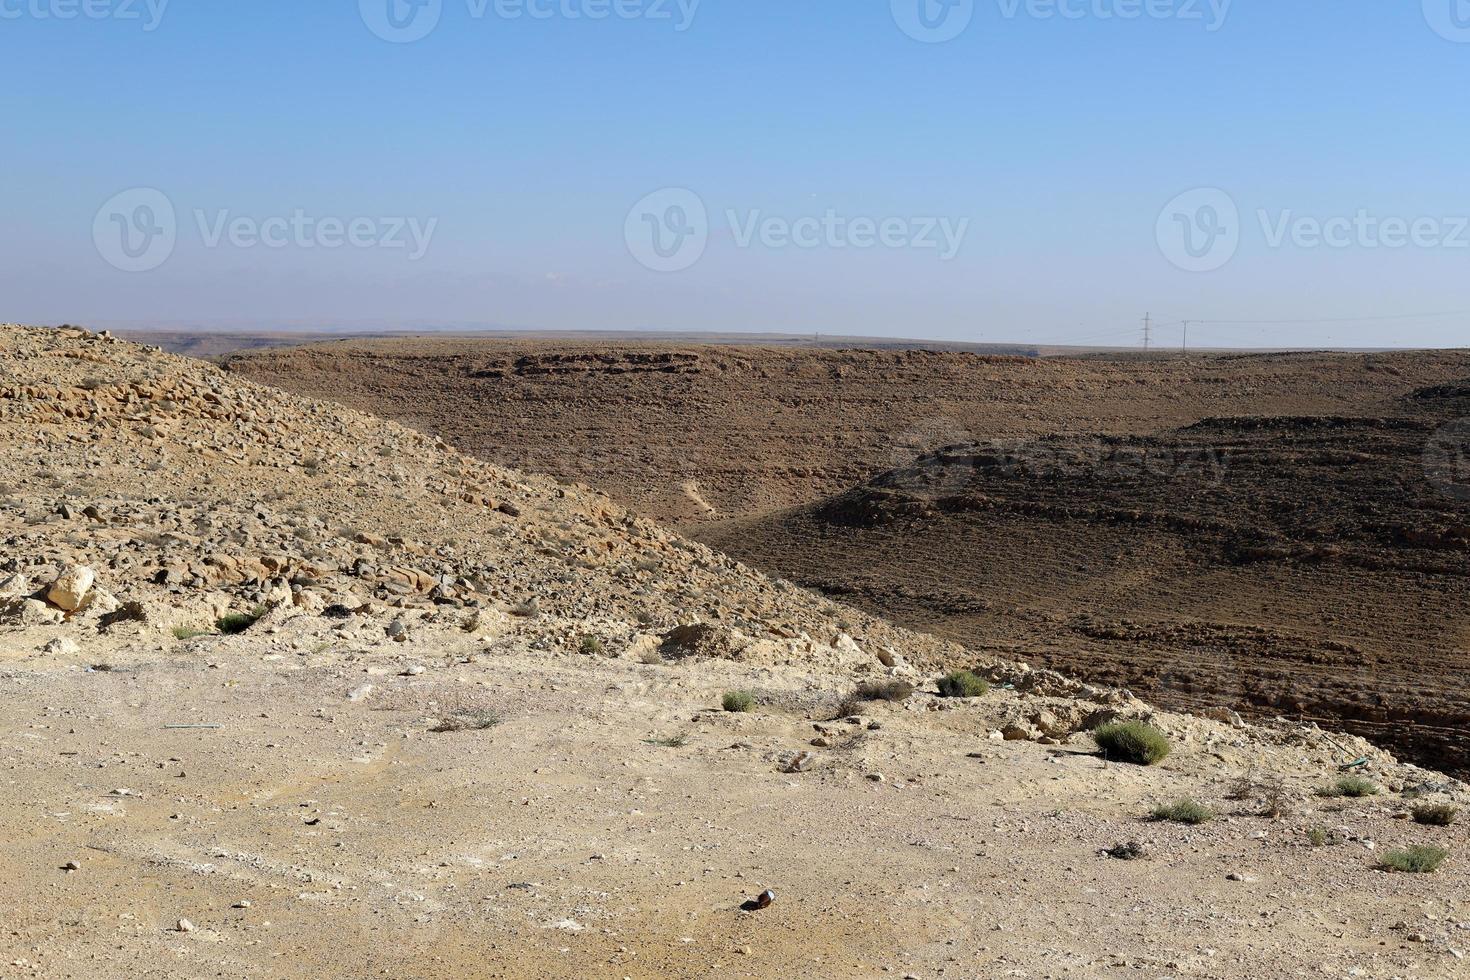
{"x": 1314, "y": 567}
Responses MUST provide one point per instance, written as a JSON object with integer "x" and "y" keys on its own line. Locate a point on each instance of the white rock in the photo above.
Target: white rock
{"x": 71, "y": 588}
{"x": 34, "y": 612}
{"x": 15, "y": 587}
{"x": 100, "y": 602}
{"x": 184, "y": 925}
{"x": 62, "y": 646}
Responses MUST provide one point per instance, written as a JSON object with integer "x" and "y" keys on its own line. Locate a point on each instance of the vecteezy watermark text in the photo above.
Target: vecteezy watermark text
{"x": 406, "y": 21}
{"x": 1201, "y": 230}
{"x": 302, "y": 230}
{"x": 833, "y": 230}
{"x": 669, "y": 231}
{"x": 148, "y": 13}
{"x": 937, "y": 21}
{"x": 138, "y": 229}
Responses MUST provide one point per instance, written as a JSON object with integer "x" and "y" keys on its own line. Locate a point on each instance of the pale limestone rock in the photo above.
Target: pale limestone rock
{"x": 70, "y": 590}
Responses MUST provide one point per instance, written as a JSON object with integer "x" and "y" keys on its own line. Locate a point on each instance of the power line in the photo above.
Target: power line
{"x": 1344, "y": 319}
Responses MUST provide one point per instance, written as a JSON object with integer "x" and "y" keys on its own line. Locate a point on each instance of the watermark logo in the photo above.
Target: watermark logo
{"x": 406, "y": 21}
{"x": 668, "y": 230}
{"x": 1450, "y": 19}
{"x": 301, "y": 230}
{"x": 933, "y": 21}
{"x": 1363, "y": 229}
{"x": 135, "y": 231}
{"x": 147, "y": 13}
{"x": 1199, "y": 231}
{"x": 401, "y": 21}
{"x": 1211, "y": 13}
{"x": 937, "y": 21}
{"x": 1447, "y": 460}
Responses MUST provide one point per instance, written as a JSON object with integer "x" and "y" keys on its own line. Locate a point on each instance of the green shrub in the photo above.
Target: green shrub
{"x": 590, "y": 645}
{"x": 1436, "y": 814}
{"x": 1184, "y": 811}
{"x": 963, "y": 684}
{"x": 187, "y": 632}
{"x": 233, "y": 623}
{"x": 738, "y": 701}
{"x": 1418, "y": 859}
{"x": 1354, "y": 786}
{"x": 1132, "y": 741}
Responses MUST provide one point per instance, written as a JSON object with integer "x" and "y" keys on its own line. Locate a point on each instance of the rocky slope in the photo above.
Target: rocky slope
{"x": 286, "y": 690}
{"x": 685, "y": 433}
{"x": 1316, "y": 567}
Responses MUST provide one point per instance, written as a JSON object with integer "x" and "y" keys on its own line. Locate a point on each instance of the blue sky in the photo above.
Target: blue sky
{"x": 500, "y": 170}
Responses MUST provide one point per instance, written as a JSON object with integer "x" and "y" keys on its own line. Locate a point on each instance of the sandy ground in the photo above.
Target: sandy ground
{"x": 561, "y": 843}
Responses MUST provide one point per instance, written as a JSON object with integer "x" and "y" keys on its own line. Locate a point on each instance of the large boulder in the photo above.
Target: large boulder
{"x": 70, "y": 590}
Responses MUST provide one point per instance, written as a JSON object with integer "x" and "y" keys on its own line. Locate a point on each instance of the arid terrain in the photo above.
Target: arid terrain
{"x": 290, "y": 690}
{"x": 1263, "y": 531}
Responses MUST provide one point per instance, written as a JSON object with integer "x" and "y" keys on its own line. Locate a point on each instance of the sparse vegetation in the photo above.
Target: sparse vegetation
{"x": 963, "y": 684}
{"x": 1320, "y": 836}
{"x": 1351, "y": 786}
{"x": 1132, "y": 741}
{"x": 234, "y": 623}
{"x": 188, "y": 632}
{"x": 1131, "y": 851}
{"x": 738, "y": 701}
{"x": 1436, "y": 814}
{"x": 470, "y": 721}
{"x": 1271, "y": 791}
{"x": 1184, "y": 811}
{"x": 590, "y": 645}
{"x": 672, "y": 742}
{"x": 1416, "y": 859}
{"x": 1273, "y": 798}
{"x": 847, "y": 705}
{"x": 883, "y": 691}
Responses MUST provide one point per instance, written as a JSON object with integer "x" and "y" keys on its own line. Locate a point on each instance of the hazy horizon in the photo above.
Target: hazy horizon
{"x": 1041, "y": 172}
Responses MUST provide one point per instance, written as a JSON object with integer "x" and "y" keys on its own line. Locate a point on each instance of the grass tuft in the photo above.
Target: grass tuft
{"x": 1184, "y": 811}
{"x": 672, "y": 742}
{"x": 1436, "y": 814}
{"x": 883, "y": 691}
{"x": 963, "y": 684}
{"x": 231, "y": 624}
{"x": 590, "y": 645}
{"x": 1418, "y": 859}
{"x": 738, "y": 701}
{"x": 1132, "y": 741}
{"x": 1352, "y": 786}
{"x": 188, "y": 632}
